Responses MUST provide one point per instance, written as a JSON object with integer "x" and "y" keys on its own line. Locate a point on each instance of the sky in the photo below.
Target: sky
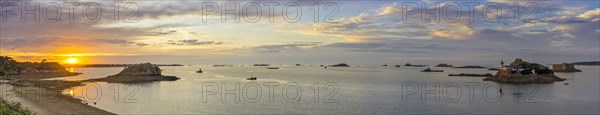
{"x": 301, "y": 31}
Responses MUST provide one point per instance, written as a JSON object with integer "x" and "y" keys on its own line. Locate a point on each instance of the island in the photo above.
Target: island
{"x": 411, "y": 65}
{"x": 110, "y": 65}
{"x": 471, "y": 66}
{"x": 443, "y": 65}
{"x": 587, "y": 63}
{"x": 520, "y": 71}
{"x": 472, "y": 75}
{"x": 261, "y": 65}
{"x": 145, "y": 72}
{"x": 340, "y": 65}
{"x": 430, "y": 70}
{"x": 222, "y": 65}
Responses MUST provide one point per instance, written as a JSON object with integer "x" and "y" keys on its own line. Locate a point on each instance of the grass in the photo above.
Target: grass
{"x": 13, "y": 108}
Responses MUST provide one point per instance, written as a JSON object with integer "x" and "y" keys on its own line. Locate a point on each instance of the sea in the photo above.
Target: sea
{"x": 335, "y": 90}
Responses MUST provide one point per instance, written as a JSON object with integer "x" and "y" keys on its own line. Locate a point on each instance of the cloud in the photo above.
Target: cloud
{"x": 357, "y": 45}
{"x": 457, "y": 32}
{"x": 298, "y": 46}
{"x": 45, "y": 43}
{"x": 592, "y": 15}
{"x": 560, "y": 43}
{"x": 193, "y": 42}
{"x": 389, "y": 10}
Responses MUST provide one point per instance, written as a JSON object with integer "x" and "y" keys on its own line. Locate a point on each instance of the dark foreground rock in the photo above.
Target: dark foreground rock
{"x": 520, "y": 71}
{"x": 145, "y": 72}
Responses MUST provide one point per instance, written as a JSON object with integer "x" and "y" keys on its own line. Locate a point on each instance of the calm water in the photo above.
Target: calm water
{"x": 314, "y": 90}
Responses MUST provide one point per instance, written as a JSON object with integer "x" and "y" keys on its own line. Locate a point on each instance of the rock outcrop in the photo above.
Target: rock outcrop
{"x": 520, "y": 71}
{"x": 145, "y": 72}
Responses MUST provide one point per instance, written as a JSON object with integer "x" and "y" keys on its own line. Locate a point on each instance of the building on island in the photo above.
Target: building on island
{"x": 564, "y": 67}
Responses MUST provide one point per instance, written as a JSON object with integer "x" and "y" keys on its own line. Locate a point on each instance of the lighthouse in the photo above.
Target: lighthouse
{"x": 501, "y": 64}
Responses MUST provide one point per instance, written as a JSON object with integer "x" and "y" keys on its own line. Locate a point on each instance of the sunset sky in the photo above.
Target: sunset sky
{"x": 360, "y": 32}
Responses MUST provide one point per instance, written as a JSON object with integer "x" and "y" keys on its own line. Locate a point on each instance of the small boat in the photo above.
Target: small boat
{"x": 200, "y": 71}
{"x": 251, "y": 78}
{"x": 272, "y": 67}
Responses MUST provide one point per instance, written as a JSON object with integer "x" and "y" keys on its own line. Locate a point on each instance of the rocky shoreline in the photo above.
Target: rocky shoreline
{"x": 51, "y": 89}
{"x": 25, "y": 81}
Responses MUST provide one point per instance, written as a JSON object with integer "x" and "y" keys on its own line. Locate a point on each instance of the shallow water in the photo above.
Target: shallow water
{"x": 314, "y": 90}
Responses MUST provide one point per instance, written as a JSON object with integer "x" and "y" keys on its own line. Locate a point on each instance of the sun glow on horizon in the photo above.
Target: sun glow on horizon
{"x": 72, "y": 60}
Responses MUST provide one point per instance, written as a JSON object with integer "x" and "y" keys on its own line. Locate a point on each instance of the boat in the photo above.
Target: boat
{"x": 252, "y": 77}
{"x": 200, "y": 71}
{"x": 272, "y": 67}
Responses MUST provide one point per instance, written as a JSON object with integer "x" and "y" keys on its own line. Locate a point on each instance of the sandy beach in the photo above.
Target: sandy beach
{"x": 44, "y": 101}
{"x": 9, "y": 94}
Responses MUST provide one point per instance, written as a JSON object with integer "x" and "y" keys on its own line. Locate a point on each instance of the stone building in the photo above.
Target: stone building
{"x": 564, "y": 67}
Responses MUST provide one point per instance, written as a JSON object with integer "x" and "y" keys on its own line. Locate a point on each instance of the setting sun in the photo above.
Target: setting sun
{"x": 72, "y": 60}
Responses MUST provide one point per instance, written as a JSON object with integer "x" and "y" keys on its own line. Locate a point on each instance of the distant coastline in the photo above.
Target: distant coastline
{"x": 112, "y": 65}
{"x": 593, "y": 63}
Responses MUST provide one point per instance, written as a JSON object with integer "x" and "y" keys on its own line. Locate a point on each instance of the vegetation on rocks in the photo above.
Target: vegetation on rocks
{"x": 13, "y": 108}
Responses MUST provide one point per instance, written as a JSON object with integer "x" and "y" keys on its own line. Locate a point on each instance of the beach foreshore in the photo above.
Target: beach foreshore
{"x": 9, "y": 94}
{"x": 45, "y": 97}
